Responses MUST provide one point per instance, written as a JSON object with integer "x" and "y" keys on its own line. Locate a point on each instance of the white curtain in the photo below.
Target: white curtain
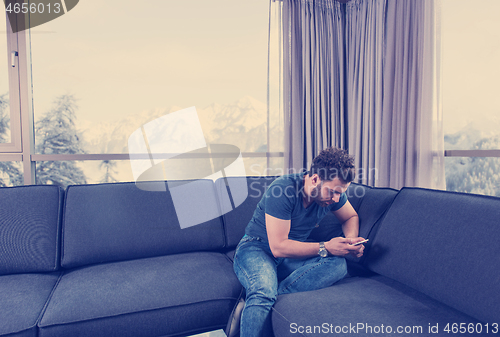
{"x": 364, "y": 76}
{"x": 313, "y": 79}
{"x": 364, "y": 39}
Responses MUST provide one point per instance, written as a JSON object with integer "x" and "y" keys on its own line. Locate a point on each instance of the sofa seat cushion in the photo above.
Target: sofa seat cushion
{"x": 364, "y": 303}
{"x": 22, "y": 298}
{"x": 159, "y": 296}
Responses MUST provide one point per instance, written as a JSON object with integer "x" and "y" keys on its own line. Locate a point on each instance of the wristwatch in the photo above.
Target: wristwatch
{"x": 322, "y": 250}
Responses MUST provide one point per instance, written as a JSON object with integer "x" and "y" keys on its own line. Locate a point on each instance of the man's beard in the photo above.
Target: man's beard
{"x": 316, "y": 195}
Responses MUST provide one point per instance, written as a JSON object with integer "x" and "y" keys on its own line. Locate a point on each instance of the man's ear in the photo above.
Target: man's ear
{"x": 315, "y": 179}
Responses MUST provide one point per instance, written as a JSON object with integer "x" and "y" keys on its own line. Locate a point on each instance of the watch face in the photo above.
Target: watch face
{"x": 323, "y": 253}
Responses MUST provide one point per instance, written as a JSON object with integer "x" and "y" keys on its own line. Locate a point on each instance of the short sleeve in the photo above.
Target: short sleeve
{"x": 279, "y": 203}
{"x": 338, "y": 205}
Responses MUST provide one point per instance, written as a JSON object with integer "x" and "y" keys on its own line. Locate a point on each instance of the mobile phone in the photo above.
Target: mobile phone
{"x": 360, "y": 242}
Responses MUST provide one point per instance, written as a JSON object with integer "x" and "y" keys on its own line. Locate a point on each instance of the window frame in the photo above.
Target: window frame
{"x": 494, "y": 153}
{"x": 13, "y": 65}
{"x": 21, "y": 146}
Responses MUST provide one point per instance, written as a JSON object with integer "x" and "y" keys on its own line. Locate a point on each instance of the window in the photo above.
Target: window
{"x": 107, "y": 68}
{"x": 471, "y": 100}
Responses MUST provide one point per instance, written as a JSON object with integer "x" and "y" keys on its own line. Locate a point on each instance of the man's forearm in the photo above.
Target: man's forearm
{"x": 295, "y": 249}
{"x": 351, "y": 227}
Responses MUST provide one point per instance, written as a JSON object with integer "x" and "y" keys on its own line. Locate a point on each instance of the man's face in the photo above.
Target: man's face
{"x": 328, "y": 192}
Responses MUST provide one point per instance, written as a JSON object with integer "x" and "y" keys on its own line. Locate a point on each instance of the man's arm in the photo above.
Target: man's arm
{"x": 350, "y": 226}
{"x": 281, "y": 246}
{"x": 350, "y": 221}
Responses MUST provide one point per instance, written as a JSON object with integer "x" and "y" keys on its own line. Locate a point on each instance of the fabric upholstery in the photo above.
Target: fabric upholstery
{"x": 22, "y": 299}
{"x": 29, "y": 229}
{"x": 164, "y": 295}
{"x": 230, "y": 254}
{"x": 235, "y": 221}
{"x": 445, "y": 245}
{"x": 373, "y": 301}
{"x": 116, "y": 222}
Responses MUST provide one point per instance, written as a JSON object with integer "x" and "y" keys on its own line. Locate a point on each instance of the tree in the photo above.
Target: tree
{"x": 476, "y": 174}
{"x": 10, "y": 174}
{"x": 56, "y": 133}
{"x": 109, "y": 171}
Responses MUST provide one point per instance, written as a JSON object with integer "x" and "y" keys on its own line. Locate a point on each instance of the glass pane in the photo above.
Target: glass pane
{"x": 473, "y": 175}
{"x": 11, "y": 173}
{"x": 106, "y": 69}
{"x": 61, "y": 173}
{"x": 4, "y": 83}
{"x": 64, "y": 173}
{"x": 471, "y": 74}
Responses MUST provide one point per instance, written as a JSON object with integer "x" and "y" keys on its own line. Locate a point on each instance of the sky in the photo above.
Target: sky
{"x": 120, "y": 58}
{"x": 123, "y": 57}
{"x": 471, "y": 62}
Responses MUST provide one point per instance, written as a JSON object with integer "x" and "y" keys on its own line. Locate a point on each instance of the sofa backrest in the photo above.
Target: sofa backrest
{"x": 445, "y": 245}
{"x": 236, "y": 220}
{"x": 29, "y": 228}
{"x": 114, "y": 222}
{"x": 370, "y": 203}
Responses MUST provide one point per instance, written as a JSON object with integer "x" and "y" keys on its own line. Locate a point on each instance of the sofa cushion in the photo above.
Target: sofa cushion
{"x": 230, "y": 254}
{"x": 29, "y": 228}
{"x": 374, "y": 306}
{"x": 445, "y": 245}
{"x": 168, "y": 295}
{"x": 115, "y": 222}
{"x": 236, "y": 220}
{"x": 22, "y": 298}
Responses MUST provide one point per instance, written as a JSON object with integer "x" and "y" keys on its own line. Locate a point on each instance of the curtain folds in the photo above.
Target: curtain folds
{"x": 365, "y": 32}
{"x": 364, "y": 76}
{"x": 313, "y": 79}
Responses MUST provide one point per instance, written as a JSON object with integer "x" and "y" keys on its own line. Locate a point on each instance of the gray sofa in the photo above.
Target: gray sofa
{"x": 112, "y": 260}
{"x": 431, "y": 268}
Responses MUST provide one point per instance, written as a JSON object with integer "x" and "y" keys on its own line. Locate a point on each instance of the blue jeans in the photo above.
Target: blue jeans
{"x": 265, "y": 277}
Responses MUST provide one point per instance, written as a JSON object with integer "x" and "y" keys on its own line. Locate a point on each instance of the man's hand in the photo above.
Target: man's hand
{"x": 343, "y": 246}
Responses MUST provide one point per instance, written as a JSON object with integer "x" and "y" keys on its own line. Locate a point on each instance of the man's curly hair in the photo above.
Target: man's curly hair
{"x": 334, "y": 163}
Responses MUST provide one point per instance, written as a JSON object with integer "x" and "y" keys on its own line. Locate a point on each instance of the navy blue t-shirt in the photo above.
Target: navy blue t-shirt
{"x": 284, "y": 200}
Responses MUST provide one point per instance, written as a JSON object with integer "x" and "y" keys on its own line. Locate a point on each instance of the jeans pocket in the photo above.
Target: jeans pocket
{"x": 248, "y": 239}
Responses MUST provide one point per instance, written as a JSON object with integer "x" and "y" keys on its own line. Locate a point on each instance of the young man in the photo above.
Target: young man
{"x": 273, "y": 257}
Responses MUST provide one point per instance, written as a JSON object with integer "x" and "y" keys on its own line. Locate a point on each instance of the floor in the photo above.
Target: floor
{"x": 217, "y": 333}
